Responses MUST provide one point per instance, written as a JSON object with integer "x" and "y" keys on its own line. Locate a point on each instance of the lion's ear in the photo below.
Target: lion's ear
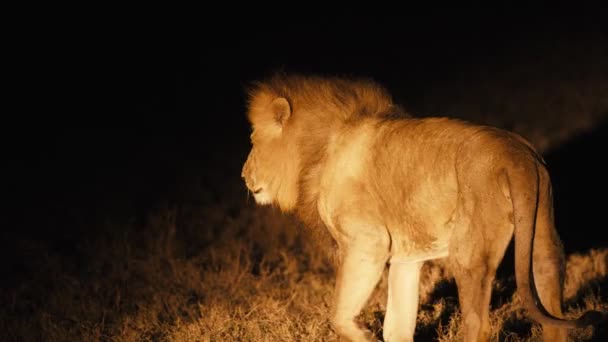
{"x": 281, "y": 110}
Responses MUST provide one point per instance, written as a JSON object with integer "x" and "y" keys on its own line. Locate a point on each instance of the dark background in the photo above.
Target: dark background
{"x": 115, "y": 114}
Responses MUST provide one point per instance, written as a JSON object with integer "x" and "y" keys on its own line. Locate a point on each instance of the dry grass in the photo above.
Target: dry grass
{"x": 252, "y": 277}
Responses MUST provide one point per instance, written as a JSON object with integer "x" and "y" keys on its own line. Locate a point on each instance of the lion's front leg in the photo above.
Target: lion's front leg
{"x": 358, "y": 275}
{"x": 402, "y": 306}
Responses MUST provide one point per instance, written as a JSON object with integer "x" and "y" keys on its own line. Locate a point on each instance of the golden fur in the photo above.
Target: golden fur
{"x": 391, "y": 188}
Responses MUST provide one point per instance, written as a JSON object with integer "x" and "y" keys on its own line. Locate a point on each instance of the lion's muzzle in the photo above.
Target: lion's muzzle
{"x": 249, "y": 177}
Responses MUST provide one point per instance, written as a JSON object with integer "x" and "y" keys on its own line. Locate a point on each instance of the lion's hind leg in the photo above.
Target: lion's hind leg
{"x": 474, "y": 293}
{"x": 477, "y": 247}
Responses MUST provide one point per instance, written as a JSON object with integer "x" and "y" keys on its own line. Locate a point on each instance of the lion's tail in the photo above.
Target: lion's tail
{"x": 525, "y": 210}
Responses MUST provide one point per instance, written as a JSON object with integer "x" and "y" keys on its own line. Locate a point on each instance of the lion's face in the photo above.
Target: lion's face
{"x": 271, "y": 169}
{"x": 259, "y": 171}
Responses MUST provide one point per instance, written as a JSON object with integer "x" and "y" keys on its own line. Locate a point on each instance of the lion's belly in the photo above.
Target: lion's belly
{"x": 403, "y": 250}
{"x": 415, "y": 235}
{"x": 422, "y": 231}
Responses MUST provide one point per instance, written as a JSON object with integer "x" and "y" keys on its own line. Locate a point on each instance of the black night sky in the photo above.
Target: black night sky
{"x": 115, "y": 117}
{"x": 125, "y": 107}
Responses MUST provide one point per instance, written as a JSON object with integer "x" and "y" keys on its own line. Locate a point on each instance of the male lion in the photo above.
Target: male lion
{"x": 390, "y": 188}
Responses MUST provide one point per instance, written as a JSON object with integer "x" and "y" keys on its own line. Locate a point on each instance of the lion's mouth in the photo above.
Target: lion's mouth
{"x": 257, "y": 191}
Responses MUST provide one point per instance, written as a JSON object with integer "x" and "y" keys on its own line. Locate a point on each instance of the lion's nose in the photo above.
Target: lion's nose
{"x": 244, "y": 171}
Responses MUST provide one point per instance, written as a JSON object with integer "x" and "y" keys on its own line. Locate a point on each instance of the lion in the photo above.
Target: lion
{"x": 397, "y": 190}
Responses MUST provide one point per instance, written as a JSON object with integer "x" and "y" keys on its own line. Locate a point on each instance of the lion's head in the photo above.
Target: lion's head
{"x": 272, "y": 167}
{"x": 292, "y": 118}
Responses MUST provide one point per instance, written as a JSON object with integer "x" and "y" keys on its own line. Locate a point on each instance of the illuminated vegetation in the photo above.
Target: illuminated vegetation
{"x": 253, "y": 277}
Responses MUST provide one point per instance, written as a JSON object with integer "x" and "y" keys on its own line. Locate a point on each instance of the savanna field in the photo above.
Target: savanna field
{"x": 169, "y": 246}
